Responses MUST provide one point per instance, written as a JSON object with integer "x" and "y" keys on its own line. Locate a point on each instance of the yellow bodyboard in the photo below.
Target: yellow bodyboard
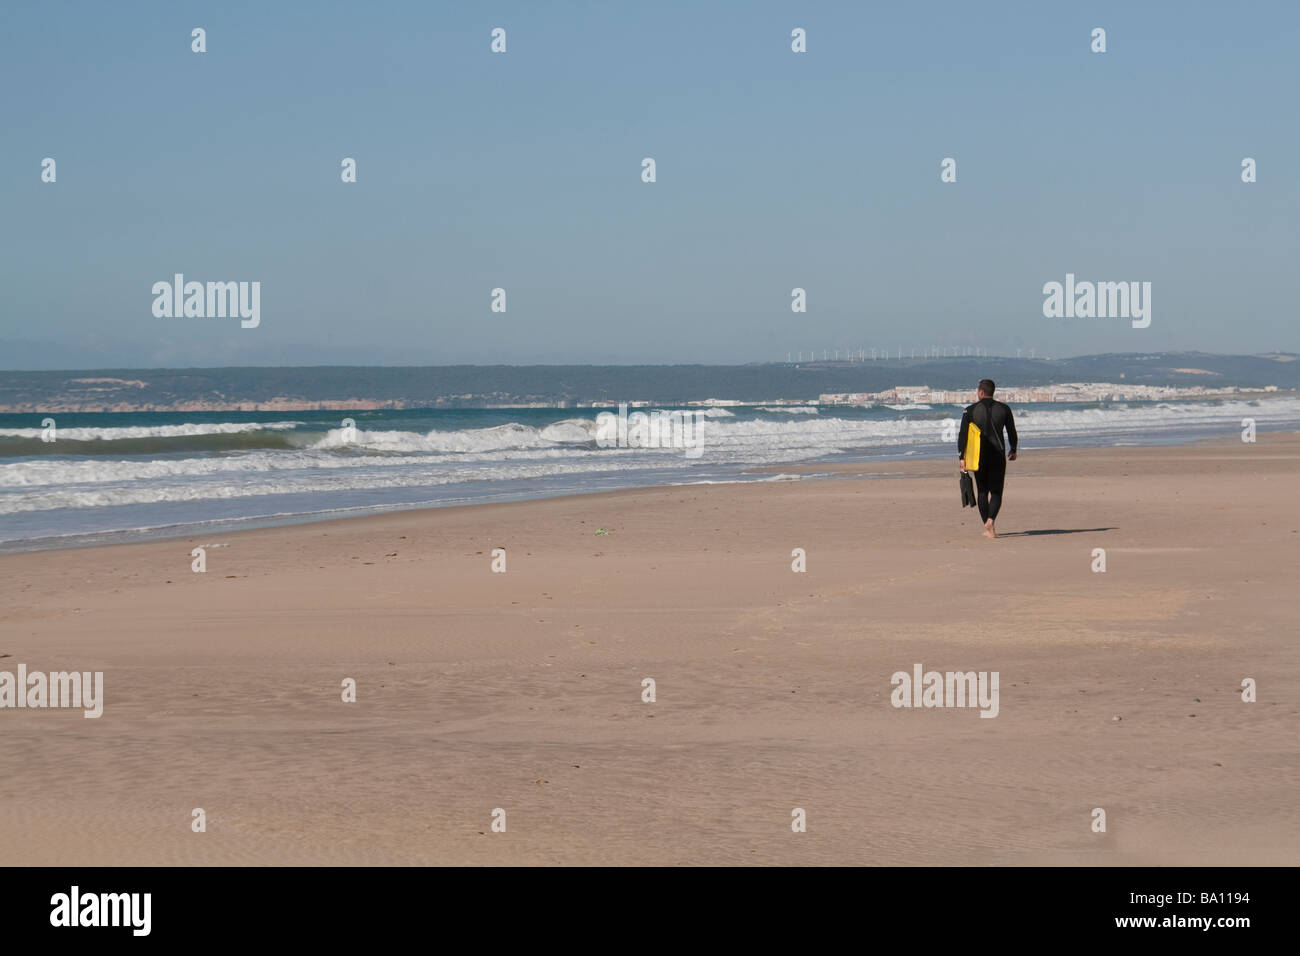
{"x": 972, "y": 457}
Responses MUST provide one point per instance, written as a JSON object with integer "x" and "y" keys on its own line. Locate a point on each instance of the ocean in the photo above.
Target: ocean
{"x": 111, "y": 477}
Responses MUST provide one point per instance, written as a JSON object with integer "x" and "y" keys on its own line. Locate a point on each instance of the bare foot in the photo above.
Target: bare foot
{"x": 988, "y": 529}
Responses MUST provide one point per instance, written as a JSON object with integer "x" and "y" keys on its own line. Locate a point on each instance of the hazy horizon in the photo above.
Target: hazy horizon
{"x": 992, "y": 356}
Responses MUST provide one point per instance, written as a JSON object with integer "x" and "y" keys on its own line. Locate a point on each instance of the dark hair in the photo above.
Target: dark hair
{"x": 987, "y": 386}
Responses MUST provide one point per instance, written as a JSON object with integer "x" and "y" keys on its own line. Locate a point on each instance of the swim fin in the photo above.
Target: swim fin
{"x": 967, "y": 490}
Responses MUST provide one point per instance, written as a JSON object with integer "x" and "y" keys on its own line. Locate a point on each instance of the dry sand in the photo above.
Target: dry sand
{"x": 523, "y": 690}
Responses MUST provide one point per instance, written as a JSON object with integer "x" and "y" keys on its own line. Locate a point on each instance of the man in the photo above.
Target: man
{"x": 991, "y": 418}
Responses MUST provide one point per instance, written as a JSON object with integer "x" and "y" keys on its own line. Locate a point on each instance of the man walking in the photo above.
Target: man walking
{"x": 991, "y": 418}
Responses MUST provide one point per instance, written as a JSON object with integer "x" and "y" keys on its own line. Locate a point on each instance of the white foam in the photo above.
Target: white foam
{"x": 302, "y": 482}
{"x": 396, "y": 459}
{"x": 464, "y": 441}
{"x": 148, "y": 431}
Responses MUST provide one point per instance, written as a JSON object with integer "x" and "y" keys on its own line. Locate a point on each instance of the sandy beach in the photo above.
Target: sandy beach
{"x": 523, "y": 690}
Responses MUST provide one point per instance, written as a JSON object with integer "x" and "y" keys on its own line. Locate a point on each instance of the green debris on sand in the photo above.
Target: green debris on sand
{"x": 600, "y": 531}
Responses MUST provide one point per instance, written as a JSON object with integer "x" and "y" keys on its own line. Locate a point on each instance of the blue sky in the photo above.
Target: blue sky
{"x": 522, "y": 171}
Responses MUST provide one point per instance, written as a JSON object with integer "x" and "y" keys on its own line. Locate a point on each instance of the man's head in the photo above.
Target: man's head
{"x": 986, "y": 388}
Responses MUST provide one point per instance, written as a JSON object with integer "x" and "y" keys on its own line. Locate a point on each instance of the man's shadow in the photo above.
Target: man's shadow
{"x": 1012, "y": 534}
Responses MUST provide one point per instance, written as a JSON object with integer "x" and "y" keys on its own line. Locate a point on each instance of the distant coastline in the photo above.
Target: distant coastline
{"x": 1065, "y": 393}
{"x": 1163, "y": 376}
{"x": 1086, "y": 394}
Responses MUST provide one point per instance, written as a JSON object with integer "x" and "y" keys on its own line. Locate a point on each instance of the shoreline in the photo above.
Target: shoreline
{"x": 883, "y": 465}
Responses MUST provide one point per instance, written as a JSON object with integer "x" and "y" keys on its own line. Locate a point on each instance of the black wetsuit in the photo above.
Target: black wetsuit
{"x": 991, "y": 418}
